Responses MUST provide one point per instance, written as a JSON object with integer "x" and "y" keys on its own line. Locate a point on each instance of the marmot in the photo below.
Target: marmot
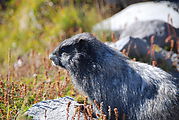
{"x": 141, "y": 91}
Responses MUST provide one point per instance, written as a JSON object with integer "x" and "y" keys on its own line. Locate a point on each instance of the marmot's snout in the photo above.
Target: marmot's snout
{"x": 51, "y": 56}
{"x": 55, "y": 60}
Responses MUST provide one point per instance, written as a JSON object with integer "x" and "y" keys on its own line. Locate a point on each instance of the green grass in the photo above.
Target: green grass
{"x": 34, "y": 24}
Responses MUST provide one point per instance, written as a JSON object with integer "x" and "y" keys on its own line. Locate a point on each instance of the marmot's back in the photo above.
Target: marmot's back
{"x": 161, "y": 94}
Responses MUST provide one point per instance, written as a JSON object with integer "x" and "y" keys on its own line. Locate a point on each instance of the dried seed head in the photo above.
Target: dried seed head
{"x": 109, "y": 112}
{"x": 97, "y": 105}
{"x": 154, "y": 63}
{"x": 116, "y": 113}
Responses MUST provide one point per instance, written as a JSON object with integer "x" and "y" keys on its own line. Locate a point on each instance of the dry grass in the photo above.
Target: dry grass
{"x": 30, "y": 80}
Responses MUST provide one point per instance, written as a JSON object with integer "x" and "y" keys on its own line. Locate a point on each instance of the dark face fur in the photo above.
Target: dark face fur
{"x": 73, "y": 51}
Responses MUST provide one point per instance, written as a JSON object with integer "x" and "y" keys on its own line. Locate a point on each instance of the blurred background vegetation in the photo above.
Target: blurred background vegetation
{"x": 33, "y": 24}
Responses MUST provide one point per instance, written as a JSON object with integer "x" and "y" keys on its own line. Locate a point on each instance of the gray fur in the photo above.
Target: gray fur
{"x": 141, "y": 91}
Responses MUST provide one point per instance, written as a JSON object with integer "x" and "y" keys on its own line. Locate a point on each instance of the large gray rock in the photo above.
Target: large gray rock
{"x": 54, "y": 110}
{"x": 137, "y": 37}
{"x": 146, "y": 29}
{"x": 140, "y": 49}
{"x": 143, "y": 11}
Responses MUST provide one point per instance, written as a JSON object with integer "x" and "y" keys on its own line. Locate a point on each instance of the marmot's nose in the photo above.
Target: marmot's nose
{"x": 52, "y": 56}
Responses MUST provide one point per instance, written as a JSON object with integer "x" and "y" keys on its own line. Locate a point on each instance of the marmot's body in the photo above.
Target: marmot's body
{"x": 142, "y": 91}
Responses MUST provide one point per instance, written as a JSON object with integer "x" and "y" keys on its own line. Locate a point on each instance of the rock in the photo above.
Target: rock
{"x": 135, "y": 47}
{"x": 158, "y": 29}
{"x": 54, "y": 109}
{"x": 143, "y": 11}
{"x": 140, "y": 49}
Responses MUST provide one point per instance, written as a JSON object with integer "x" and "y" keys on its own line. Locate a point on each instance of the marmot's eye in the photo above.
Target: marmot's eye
{"x": 66, "y": 49}
{"x": 62, "y": 49}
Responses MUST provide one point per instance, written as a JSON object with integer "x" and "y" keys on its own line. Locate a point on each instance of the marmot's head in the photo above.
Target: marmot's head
{"x": 79, "y": 50}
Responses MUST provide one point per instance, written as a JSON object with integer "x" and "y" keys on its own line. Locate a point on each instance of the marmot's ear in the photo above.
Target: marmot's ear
{"x": 81, "y": 41}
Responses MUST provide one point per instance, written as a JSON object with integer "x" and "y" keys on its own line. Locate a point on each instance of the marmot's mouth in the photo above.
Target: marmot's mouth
{"x": 55, "y": 60}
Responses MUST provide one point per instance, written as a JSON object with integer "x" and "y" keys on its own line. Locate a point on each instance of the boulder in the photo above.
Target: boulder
{"x": 55, "y": 110}
{"x": 143, "y": 11}
{"x": 142, "y": 50}
{"x": 161, "y": 31}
